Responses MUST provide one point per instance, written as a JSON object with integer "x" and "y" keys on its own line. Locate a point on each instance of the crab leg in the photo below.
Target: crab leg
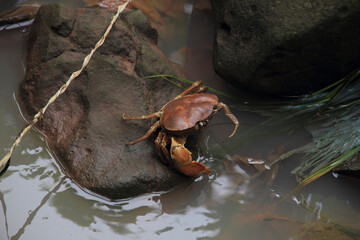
{"x": 201, "y": 89}
{"x": 159, "y": 113}
{"x": 152, "y": 129}
{"x": 183, "y": 159}
{"x": 189, "y": 89}
{"x": 228, "y": 113}
{"x": 143, "y": 117}
{"x": 165, "y": 152}
{"x": 160, "y": 147}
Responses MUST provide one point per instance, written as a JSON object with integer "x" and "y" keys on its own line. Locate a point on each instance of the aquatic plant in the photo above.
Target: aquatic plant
{"x": 335, "y": 113}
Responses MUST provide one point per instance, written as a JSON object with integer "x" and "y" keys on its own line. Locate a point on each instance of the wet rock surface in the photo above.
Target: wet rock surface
{"x": 84, "y": 128}
{"x": 286, "y": 47}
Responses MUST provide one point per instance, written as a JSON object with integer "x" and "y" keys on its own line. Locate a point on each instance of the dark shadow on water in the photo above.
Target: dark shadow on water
{"x": 4, "y": 211}
{"x": 35, "y": 211}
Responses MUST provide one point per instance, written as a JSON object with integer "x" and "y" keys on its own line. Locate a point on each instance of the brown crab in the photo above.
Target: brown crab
{"x": 183, "y": 116}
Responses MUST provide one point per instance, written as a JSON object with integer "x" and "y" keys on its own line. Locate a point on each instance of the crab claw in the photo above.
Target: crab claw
{"x": 184, "y": 162}
{"x": 194, "y": 169}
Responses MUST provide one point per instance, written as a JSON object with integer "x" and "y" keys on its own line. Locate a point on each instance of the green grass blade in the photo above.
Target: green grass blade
{"x": 164, "y": 76}
{"x": 337, "y": 161}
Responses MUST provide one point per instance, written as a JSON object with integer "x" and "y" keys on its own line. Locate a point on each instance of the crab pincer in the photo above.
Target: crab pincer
{"x": 183, "y": 116}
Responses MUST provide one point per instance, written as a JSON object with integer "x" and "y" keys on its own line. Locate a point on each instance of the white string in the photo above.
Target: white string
{"x": 63, "y": 88}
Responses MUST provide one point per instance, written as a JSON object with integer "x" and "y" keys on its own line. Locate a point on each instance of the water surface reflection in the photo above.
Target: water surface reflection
{"x": 37, "y": 201}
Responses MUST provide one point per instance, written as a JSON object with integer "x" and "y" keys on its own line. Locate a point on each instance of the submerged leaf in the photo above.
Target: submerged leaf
{"x": 254, "y": 166}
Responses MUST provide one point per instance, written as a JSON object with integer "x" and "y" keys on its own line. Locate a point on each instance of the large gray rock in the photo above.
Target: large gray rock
{"x": 286, "y": 47}
{"x": 84, "y": 127}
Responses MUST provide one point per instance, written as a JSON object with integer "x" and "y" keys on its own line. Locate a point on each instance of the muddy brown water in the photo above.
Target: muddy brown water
{"x": 38, "y": 201}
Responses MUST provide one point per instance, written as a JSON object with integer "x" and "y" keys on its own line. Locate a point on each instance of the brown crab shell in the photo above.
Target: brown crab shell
{"x": 181, "y": 116}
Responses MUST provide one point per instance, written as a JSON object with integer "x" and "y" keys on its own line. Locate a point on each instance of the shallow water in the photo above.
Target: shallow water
{"x": 38, "y": 201}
